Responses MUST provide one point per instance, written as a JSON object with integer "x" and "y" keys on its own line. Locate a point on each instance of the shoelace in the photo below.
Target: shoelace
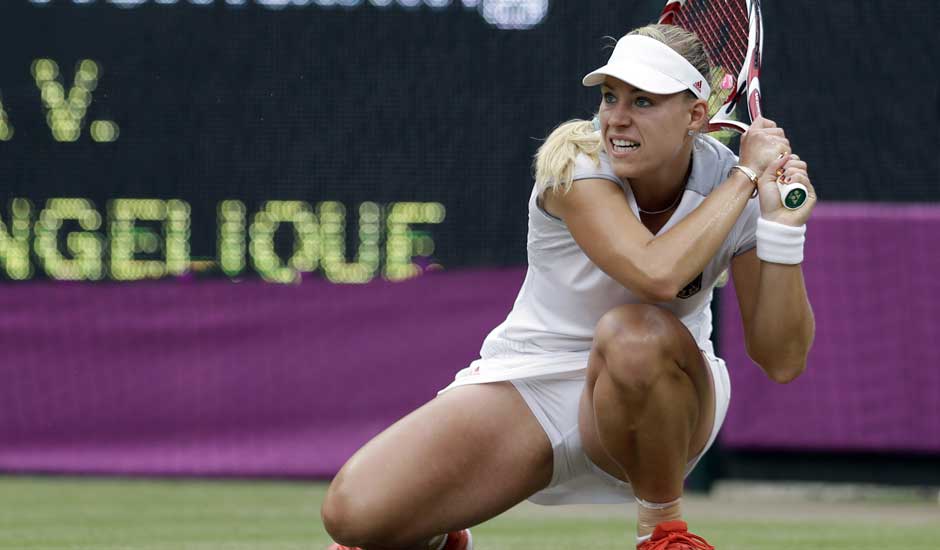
{"x": 684, "y": 537}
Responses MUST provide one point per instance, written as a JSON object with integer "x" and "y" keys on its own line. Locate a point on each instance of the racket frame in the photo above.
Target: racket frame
{"x": 746, "y": 85}
{"x": 747, "y": 81}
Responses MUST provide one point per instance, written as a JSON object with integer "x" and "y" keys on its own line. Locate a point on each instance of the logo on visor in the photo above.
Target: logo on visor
{"x": 698, "y": 85}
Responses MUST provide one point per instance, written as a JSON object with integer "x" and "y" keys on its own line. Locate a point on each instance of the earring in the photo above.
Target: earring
{"x": 691, "y": 133}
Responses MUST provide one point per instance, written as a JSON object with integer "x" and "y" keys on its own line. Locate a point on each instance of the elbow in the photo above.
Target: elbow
{"x": 782, "y": 364}
{"x": 650, "y": 280}
{"x": 658, "y": 292}
{"x": 785, "y": 373}
{"x": 781, "y": 371}
{"x": 650, "y": 289}
{"x": 659, "y": 288}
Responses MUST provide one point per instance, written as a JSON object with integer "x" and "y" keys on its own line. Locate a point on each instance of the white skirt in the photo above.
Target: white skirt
{"x": 551, "y": 385}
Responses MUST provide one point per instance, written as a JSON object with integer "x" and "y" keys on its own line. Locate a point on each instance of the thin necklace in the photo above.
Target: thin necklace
{"x": 667, "y": 209}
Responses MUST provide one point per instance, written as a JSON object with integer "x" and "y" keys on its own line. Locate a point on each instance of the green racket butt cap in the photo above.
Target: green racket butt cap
{"x": 795, "y": 198}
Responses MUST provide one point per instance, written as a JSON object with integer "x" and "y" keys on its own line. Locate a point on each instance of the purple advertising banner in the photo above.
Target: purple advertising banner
{"x": 873, "y": 377}
{"x": 218, "y": 378}
{"x": 258, "y": 379}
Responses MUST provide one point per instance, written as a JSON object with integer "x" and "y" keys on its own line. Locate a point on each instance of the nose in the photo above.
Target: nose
{"x": 618, "y": 115}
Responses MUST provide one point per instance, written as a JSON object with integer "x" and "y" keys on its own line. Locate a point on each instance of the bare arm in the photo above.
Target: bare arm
{"x": 779, "y": 326}
{"x": 778, "y": 320}
{"x": 656, "y": 268}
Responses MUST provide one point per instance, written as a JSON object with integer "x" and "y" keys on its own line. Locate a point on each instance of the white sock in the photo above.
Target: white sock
{"x": 651, "y": 514}
{"x": 657, "y": 505}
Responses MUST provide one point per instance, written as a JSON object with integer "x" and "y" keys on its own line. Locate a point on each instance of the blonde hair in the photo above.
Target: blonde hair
{"x": 555, "y": 159}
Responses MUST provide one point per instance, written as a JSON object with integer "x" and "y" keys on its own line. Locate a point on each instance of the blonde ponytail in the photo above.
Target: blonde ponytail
{"x": 554, "y": 161}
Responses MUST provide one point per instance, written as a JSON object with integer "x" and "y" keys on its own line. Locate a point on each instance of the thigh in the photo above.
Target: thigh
{"x": 684, "y": 350}
{"x": 464, "y": 457}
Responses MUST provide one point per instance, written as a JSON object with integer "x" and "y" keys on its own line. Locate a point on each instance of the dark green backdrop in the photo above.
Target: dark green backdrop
{"x": 393, "y": 104}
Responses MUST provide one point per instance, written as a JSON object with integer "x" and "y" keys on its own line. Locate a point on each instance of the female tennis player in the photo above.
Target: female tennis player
{"x": 602, "y": 384}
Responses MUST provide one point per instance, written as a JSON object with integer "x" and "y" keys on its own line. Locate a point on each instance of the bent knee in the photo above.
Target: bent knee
{"x": 636, "y": 341}
{"x": 349, "y": 517}
{"x": 338, "y": 517}
{"x": 637, "y": 330}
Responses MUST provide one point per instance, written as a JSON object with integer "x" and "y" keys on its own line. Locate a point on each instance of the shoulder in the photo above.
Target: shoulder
{"x": 711, "y": 161}
{"x": 586, "y": 167}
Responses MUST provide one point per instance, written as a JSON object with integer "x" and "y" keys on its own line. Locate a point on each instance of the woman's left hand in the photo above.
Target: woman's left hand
{"x": 771, "y": 207}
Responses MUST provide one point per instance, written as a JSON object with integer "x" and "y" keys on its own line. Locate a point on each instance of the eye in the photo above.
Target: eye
{"x": 609, "y": 97}
{"x": 642, "y": 101}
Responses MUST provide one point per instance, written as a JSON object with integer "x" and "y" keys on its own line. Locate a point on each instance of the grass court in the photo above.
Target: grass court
{"x": 56, "y": 513}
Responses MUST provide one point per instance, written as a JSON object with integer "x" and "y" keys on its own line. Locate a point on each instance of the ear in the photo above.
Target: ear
{"x": 698, "y": 115}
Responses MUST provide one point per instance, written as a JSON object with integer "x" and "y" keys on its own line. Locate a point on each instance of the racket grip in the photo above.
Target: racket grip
{"x": 792, "y": 195}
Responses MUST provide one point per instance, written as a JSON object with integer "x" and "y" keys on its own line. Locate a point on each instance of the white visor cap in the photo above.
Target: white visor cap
{"x": 652, "y": 66}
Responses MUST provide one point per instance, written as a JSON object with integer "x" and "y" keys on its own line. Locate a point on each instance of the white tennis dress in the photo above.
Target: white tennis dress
{"x": 543, "y": 345}
{"x": 551, "y": 326}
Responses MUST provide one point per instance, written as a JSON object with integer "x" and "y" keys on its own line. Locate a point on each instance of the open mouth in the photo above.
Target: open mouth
{"x": 624, "y": 145}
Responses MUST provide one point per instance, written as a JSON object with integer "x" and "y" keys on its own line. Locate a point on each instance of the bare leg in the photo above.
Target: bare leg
{"x": 461, "y": 459}
{"x": 648, "y": 404}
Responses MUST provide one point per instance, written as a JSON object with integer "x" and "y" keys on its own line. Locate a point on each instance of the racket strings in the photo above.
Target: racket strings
{"x": 722, "y": 26}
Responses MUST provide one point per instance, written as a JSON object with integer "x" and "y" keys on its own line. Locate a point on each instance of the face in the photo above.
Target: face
{"x": 645, "y": 134}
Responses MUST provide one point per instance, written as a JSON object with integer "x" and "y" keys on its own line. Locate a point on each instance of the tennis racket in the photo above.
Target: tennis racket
{"x": 733, "y": 35}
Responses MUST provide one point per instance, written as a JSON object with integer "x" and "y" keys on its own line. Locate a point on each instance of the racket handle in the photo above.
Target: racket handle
{"x": 792, "y": 195}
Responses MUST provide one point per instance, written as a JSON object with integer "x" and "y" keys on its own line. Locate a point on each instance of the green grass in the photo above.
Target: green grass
{"x": 109, "y": 514}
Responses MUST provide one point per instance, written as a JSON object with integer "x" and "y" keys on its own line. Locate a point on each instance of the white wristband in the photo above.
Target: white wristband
{"x": 779, "y": 243}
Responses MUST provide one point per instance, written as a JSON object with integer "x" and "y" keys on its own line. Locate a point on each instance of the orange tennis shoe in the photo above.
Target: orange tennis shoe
{"x": 674, "y": 535}
{"x": 458, "y": 540}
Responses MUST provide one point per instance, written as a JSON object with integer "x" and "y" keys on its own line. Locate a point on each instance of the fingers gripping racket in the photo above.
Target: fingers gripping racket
{"x": 733, "y": 35}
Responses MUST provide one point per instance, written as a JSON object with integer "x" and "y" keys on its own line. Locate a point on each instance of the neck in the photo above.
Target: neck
{"x": 659, "y": 190}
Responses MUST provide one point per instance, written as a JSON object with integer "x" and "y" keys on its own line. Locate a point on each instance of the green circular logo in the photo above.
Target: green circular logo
{"x": 795, "y": 199}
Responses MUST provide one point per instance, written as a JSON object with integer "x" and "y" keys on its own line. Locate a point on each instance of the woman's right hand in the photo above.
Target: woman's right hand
{"x": 763, "y": 143}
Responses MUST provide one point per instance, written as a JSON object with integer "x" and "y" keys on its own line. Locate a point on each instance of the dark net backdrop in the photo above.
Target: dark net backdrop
{"x": 383, "y": 102}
